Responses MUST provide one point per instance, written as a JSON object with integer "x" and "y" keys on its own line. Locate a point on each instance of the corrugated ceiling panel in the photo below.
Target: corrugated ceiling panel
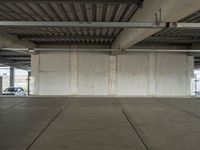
{"x": 174, "y": 35}
{"x": 63, "y": 11}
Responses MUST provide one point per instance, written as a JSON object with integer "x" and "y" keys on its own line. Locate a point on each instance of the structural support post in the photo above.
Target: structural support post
{"x": 152, "y": 74}
{"x": 1, "y": 85}
{"x": 12, "y": 77}
{"x": 35, "y": 66}
{"x": 28, "y": 88}
{"x": 113, "y": 75}
{"x": 190, "y": 74}
{"x": 74, "y": 73}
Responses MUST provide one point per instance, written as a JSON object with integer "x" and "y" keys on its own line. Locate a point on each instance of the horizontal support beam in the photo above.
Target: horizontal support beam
{"x": 82, "y": 24}
{"x": 19, "y": 58}
{"x": 71, "y": 24}
{"x": 31, "y": 37}
{"x": 76, "y": 1}
{"x": 173, "y": 39}
{"x": 187, "y": 25}
{"x": 104, "y": 50}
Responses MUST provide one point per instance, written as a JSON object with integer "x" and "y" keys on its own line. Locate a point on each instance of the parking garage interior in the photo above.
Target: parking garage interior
{"x": 100, "y": 74}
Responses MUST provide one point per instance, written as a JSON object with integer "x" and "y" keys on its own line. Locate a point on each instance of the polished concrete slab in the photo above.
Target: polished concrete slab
{"x": 51, "y": 123}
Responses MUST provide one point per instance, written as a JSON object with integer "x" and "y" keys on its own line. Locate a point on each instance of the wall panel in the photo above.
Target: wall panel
{"x": 98, "y": 73}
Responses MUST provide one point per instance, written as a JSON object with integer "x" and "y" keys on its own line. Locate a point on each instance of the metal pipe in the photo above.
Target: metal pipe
{"x": 186, "y": 25}
{"x": 71, "y": 24}
{"x": 102, "y": 50}
{"x": 28, "y": 80}
{"x": 67, "y": 37}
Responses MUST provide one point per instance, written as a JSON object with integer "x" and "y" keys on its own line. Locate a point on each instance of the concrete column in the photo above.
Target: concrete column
{"x": 35, "y": 65}
{"x": 1, "y": 85}
{"x": 112, "y": 75}
{"x": 74, "y": 73}
{"x": 28, "y": 80}
{"x": 12, "y": 77}
{"x": 152, "y": 74}
{"x": 190, "y": 74}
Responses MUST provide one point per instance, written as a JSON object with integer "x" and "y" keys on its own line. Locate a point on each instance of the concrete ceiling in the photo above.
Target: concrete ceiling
{"x": 64, "y": 10}
{"x": 82, "y": 10}
{"x": 177, "y": 37}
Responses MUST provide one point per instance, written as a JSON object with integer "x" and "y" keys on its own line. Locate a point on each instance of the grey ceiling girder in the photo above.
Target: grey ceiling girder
{"x": 106, "y": 50}
{"x": 187, "y": 25}
{"x": 29, "y": 37}
{"x": 174, "y": 39}
{"x": 75, "y": 1}
{"x": 71, "y": 24}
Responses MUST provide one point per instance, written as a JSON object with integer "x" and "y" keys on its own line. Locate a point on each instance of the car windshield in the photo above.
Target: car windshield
{"x": 11, "y": 90}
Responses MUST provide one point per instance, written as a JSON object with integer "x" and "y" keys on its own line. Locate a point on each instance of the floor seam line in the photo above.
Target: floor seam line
{"x": 183, "y": 110}
{"x": 11, "y": 106}
{"x": 131, "y": 124}
{"x": 48, "y": 124}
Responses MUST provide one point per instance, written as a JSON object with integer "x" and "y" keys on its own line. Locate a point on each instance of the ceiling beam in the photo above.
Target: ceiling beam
{"x": 106, "y": 50}
{"x": 160, "y": 47}
{"x": 173, "y": 39}
{"x": 171, "y": 10}
{"x": 73, "y": 24}
{"x": 77, "y": 1}
{"x": 31, "y": 37}
{"x": 187, "y": 25}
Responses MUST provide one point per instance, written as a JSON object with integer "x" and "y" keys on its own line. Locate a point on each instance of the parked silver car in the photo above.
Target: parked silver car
{"x": 17, "y": 91}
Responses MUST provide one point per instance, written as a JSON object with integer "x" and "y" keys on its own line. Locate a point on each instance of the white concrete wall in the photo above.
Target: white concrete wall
{"x": 52, "y": 73}
{"x": 93, "y": 74}
{"x": 172, "y": 74}
{"x": 132, "y": 74}
{"x": 98, "y": 73}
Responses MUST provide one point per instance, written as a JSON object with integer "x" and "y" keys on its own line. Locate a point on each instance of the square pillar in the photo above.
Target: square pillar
{"x": 12, "y": 77}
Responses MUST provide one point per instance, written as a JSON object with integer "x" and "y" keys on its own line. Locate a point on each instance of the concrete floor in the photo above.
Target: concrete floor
{"x": 99, "y": 124}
